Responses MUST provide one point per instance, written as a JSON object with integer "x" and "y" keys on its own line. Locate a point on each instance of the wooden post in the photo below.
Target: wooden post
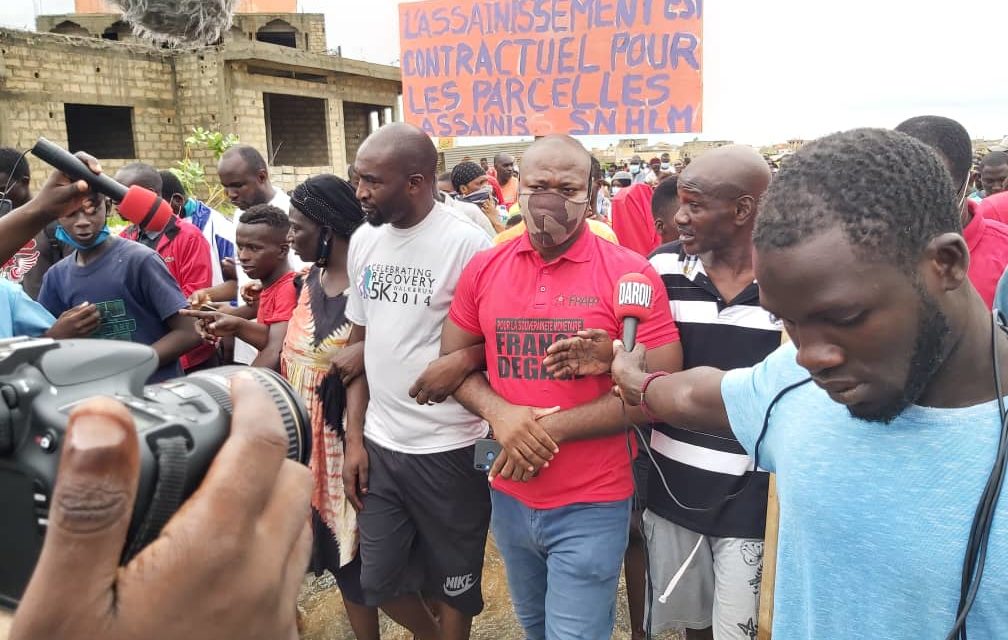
{"x": 765, "y": 620}
{"x": 769, "y": 563}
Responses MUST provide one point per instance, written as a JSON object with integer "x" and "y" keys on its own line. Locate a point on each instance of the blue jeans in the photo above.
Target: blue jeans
{"x": 563, "y": 565}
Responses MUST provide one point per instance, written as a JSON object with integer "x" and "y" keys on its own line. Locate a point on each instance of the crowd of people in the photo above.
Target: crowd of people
{"x": 417, "y": 313}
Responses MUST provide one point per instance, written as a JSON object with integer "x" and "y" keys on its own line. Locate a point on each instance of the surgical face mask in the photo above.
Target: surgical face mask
{"x": 616, "y": 190}
{"x": 635, "y": 168}
{"x": 551, "y": 219}
{"x": 64, "y": 237}
{"x": 665, "y": 166}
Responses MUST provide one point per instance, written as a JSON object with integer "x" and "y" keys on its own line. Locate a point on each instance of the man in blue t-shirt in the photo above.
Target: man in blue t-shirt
{"x": 137, "y": 297}
{"x": 22, "y": 316}
{"x": 885, "y": 443}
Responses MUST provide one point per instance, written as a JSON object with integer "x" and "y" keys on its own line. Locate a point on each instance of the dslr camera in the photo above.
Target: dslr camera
{"x": 180, "y": 423}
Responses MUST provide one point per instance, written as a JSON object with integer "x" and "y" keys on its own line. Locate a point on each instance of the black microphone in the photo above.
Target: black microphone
{"x": 136, "y": 204}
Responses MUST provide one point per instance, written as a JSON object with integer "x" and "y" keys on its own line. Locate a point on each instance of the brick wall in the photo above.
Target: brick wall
{"x": 171, "y": 93}
{"x": 356, "y": 126}
{"x": 297, "y": 130}
{"x": 316, "y": 34}
{"x": 40, "y": 73}
{"x": 342, "y": 134}
{"x": 203, "y": 100}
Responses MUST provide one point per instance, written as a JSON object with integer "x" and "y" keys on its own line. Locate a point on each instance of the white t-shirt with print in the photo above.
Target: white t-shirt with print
{"x": 402, "y": 284}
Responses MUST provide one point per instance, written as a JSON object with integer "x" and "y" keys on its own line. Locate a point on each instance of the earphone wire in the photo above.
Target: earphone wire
{"x": 632, "y": 427}
{"x": 10, "y": 176}
{"x": 756, "y": 448}
{"x": 976, "y": 547}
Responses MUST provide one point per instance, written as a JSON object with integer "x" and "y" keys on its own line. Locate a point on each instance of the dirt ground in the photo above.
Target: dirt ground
{"x": 324, "y": 618}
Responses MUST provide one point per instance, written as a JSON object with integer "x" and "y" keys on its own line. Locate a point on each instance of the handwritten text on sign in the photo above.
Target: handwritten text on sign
{"x": 531, "y": 67}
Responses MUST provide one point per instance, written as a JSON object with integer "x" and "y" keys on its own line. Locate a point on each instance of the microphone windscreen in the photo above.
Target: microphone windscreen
{"x": 145, "y": 208}
{"x": 633, "y": 296}
{"x": 179, "y": 22}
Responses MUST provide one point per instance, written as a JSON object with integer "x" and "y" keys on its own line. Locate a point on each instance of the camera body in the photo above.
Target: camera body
{"x": 42, "y": 380}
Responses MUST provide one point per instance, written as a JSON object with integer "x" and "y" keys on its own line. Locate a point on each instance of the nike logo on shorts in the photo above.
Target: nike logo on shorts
{"x": 457, "y": 585}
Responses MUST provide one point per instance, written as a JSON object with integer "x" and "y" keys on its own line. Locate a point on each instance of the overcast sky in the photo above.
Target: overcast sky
{"x": 782, "y": 69}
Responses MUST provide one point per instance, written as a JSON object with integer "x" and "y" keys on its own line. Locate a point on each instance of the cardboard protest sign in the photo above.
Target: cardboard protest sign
{"x": 533, "y": 67}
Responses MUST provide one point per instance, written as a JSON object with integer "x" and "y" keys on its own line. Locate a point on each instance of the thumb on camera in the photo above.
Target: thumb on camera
{"x": 92, "y": 502}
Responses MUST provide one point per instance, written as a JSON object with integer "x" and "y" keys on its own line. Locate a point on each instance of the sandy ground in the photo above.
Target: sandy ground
{"x": 324, "y": 618}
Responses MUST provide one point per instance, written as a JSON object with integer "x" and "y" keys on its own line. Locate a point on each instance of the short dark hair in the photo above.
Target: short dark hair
{"x": 253, "y": 159}
{"x": 170, "y": 185}
{"x": 888, "y": 193}
{"x": 994, "y": 159}
{"x": 665, "y": 194}
{"x": 266, "y": 214}
{"x": 146, "y": 175}
{"x": 946, "y": 136}
{"x": 14, "y": 165}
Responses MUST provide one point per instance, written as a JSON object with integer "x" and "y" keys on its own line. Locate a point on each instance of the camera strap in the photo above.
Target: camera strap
{"x": 169, "y": 485}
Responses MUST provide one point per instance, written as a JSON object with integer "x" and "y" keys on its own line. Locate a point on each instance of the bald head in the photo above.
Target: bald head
{"x": 558, "y": 150}
{"x": 410, "y": 148}
{"x": 727, "y": 173}
{"x": 504, "y": 166}
{"x": 555, "y": 193}
{"x": 396, "y": 166}
{"x": 138, "y": 173}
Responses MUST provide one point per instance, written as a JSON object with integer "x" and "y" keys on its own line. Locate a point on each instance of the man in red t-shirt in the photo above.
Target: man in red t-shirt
{"x": 995, "y": 207}
{"x": 632, "y": 220}
{"x": 261, "y": 239}
{"x": 986, "y": 239}
{"x": 561, "y": 501}
{"x": 183, "y": 248}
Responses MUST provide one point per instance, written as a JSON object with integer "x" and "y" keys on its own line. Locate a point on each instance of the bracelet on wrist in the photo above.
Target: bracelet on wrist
{"x": 651, "y": 377}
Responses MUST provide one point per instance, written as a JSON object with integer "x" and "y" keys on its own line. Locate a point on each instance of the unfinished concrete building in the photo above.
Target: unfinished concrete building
{"x": 84, "y": 81}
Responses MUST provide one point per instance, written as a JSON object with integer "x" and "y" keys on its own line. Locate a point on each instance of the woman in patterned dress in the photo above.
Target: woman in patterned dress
{"x": 324, "y": 214}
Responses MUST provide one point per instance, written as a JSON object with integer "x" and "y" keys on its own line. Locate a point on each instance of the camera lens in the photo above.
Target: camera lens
{"x": 293, "y": 413}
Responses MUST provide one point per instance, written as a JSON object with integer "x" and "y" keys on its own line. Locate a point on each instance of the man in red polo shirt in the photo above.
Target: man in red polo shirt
{"x": 183, "y": 248}
{"x": 563, "y": 532}
{"x": 987, "y": 239}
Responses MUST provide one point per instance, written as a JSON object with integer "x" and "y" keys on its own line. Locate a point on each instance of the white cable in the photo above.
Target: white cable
{"x": 663, "y": 598}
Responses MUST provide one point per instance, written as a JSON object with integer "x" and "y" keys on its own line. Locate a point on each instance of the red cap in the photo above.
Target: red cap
{"x": 633, "y": 297}
{"x": 145, "y": 208}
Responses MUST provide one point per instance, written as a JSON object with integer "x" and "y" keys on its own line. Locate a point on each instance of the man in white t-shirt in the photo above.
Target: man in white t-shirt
{"x": 408, "y": 468}
{"x": 243, "y": 174}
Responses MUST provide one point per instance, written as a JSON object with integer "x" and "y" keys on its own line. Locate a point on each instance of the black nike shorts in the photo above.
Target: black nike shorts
{"x": 423, "y": 527}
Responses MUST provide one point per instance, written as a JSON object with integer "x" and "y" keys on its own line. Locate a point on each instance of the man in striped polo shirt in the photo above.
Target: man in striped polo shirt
{"x": 708, "y": 274}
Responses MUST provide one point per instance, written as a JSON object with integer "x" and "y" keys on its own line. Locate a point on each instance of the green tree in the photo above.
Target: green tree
{"x": 191, "y": 173}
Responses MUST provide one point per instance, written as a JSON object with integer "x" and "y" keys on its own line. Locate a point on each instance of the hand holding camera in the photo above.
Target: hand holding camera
{"x": 229, "y": 564}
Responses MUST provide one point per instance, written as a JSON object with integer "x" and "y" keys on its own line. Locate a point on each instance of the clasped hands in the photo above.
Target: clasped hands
{"x": 526, "y": 445}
